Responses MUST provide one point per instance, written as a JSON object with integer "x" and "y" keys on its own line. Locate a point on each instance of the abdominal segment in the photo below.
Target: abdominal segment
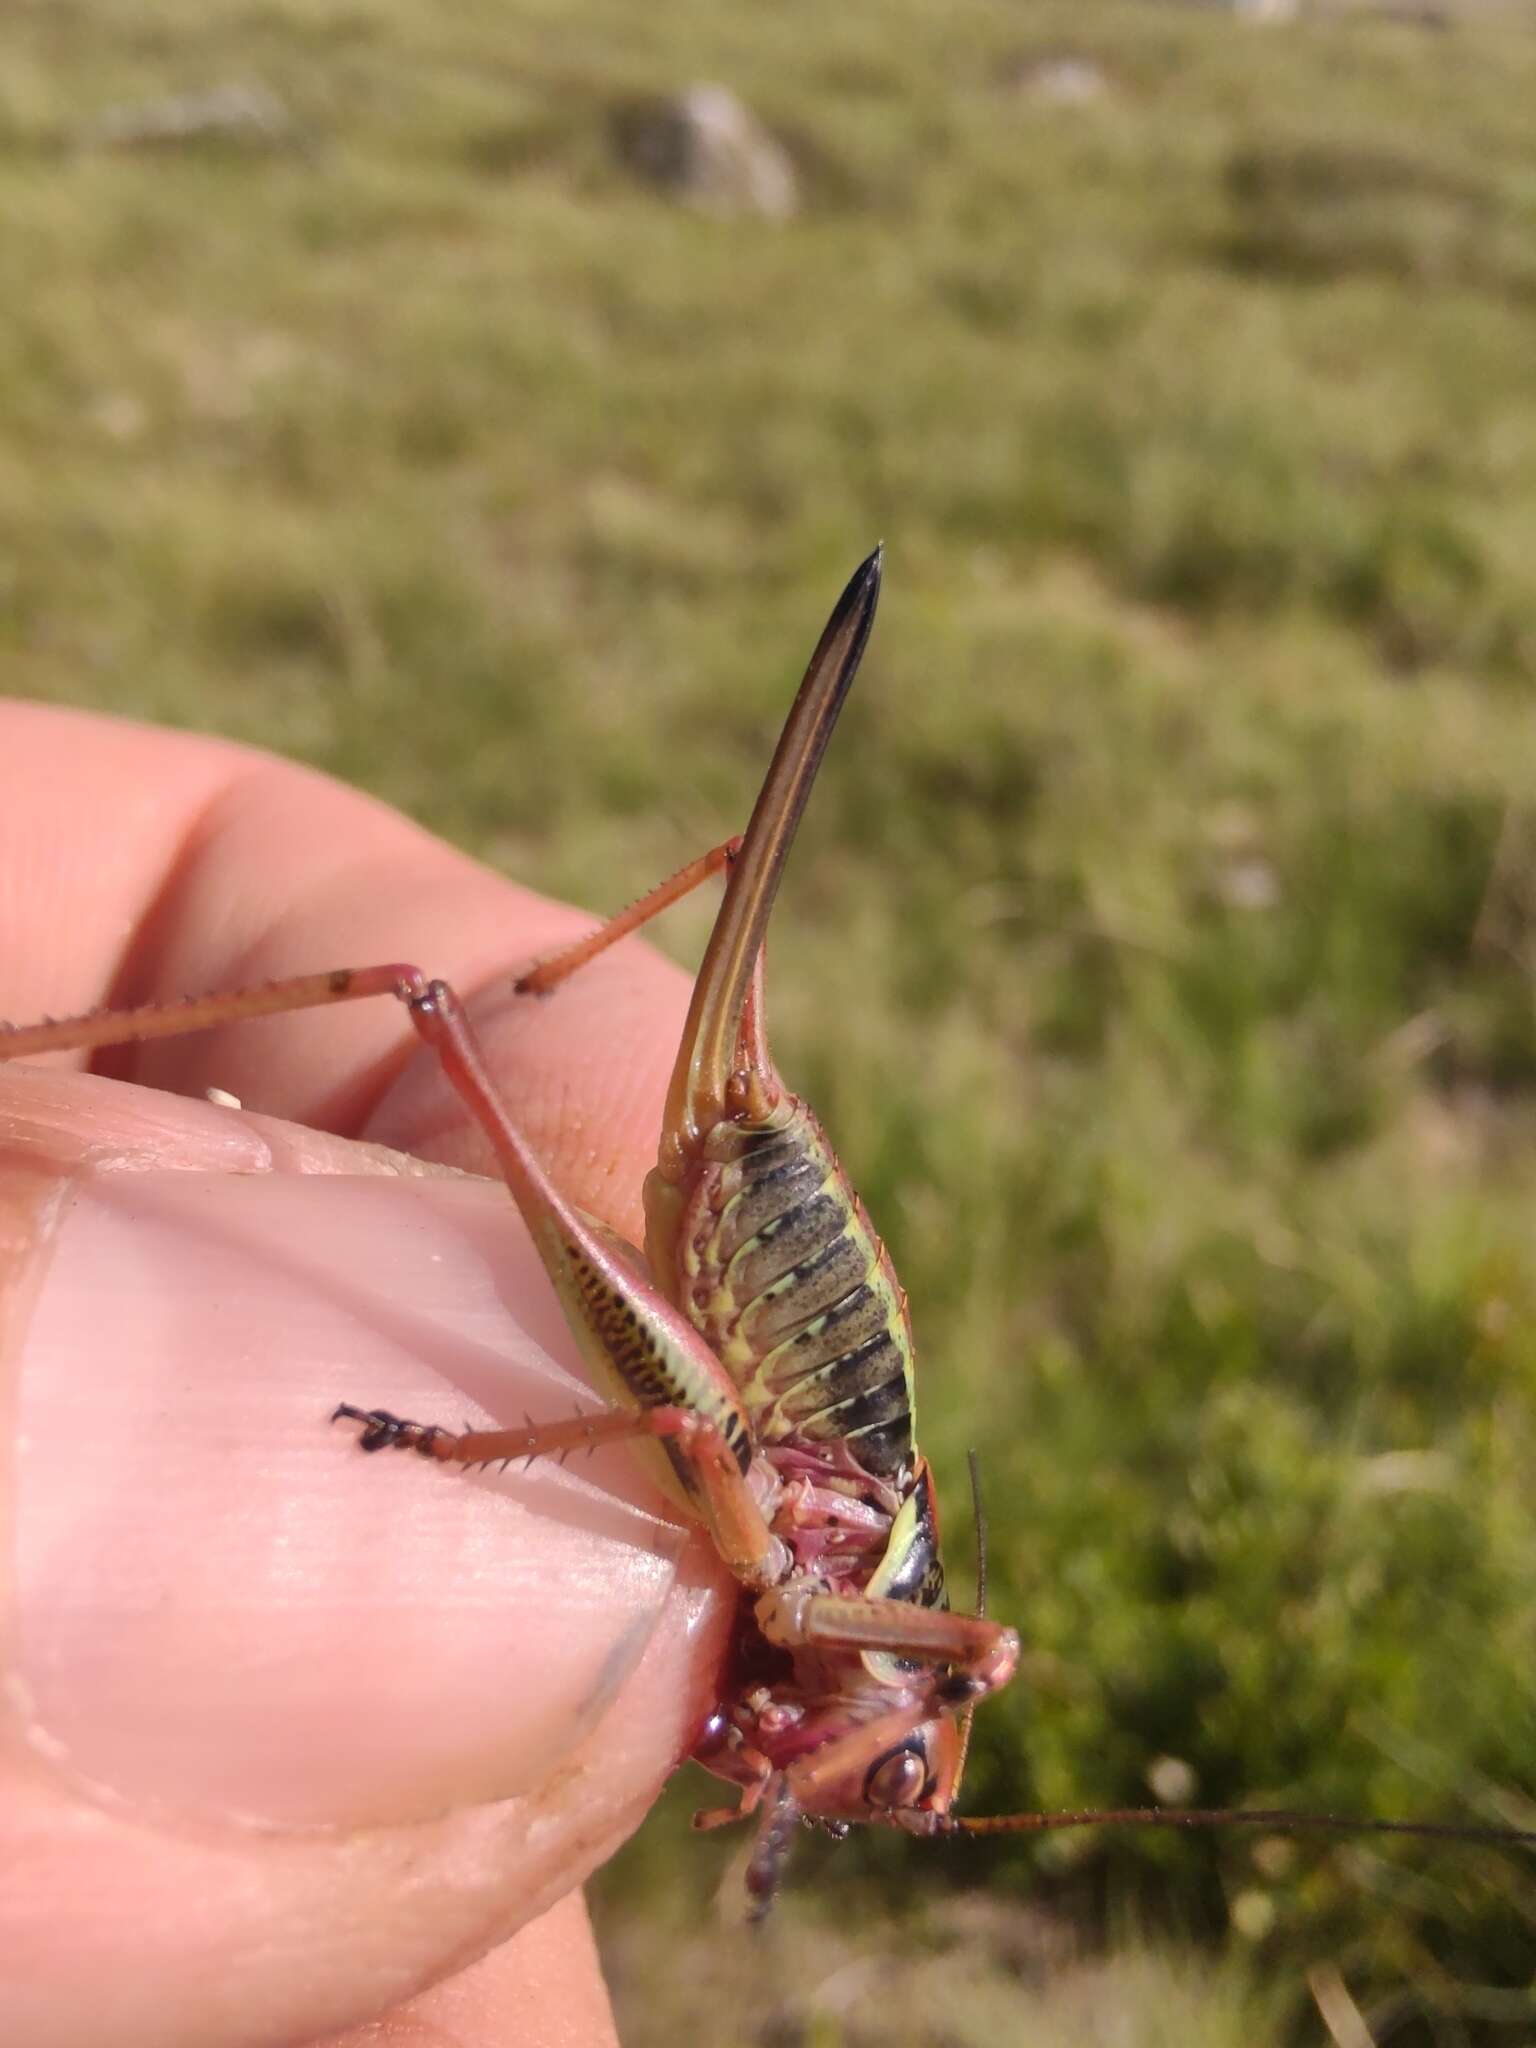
{"x": 786, "y": 1280}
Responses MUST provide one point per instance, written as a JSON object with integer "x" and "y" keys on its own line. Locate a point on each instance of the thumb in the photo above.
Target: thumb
{"x": 267, "y": 1700}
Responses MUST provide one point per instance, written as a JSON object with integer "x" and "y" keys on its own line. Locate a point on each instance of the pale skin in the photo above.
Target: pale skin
{"x": 297, "y": 1745}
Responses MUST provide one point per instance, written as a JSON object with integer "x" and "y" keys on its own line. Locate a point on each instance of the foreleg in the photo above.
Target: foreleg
{"x": 736, "y": 1520}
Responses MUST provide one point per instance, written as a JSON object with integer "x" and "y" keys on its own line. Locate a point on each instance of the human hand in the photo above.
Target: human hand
{"x": 288, "y": 1733}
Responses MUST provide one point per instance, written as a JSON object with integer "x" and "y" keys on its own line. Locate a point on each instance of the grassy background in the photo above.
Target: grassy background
{"x": 1174, "y": 875}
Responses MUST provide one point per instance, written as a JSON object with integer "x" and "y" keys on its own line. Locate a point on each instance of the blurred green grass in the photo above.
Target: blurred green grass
{"x": 1172, "y": 884}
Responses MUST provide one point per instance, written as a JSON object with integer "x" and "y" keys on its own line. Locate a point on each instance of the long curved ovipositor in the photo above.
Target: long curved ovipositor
{"x": 697, "y": 1097}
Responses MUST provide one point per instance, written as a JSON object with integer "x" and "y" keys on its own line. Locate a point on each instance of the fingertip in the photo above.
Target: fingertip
{"x": 224, "y": 1608}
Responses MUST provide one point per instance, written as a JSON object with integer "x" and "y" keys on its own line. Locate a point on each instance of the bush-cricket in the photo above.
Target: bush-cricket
{"x": 758, "y": 1351}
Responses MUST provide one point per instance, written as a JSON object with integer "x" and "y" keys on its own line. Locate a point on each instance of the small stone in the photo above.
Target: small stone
{"x": 710, "y": 151}
{"x": 235, "y": 112}
{"x": 1255, "y": 10}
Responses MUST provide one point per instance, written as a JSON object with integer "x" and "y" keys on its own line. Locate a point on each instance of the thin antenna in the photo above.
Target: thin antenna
{"x": 979, "y": 1517}
{"x": 1280, "y": 1817}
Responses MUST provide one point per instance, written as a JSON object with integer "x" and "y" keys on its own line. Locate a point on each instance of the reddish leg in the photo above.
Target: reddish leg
{"x": 981, "y": 1655}
{"x": 736, "y": 1517}
{"x": 753, "y": 1087}
{"x": 548, "y": 974}
{"x": 628, "y": 1332}
{"x": 969, "y": 1657}
{"x": 200, "y": 1013}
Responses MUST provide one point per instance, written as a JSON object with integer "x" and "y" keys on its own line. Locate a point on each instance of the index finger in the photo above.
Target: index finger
{"x": 138, "y": 865}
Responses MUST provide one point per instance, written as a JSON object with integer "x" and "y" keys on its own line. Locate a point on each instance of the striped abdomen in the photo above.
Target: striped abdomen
{"x": 790, "y": 1287}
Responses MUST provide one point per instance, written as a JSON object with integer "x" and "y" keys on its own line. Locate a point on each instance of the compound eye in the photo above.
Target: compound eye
{"x": 899, "y": 1779}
